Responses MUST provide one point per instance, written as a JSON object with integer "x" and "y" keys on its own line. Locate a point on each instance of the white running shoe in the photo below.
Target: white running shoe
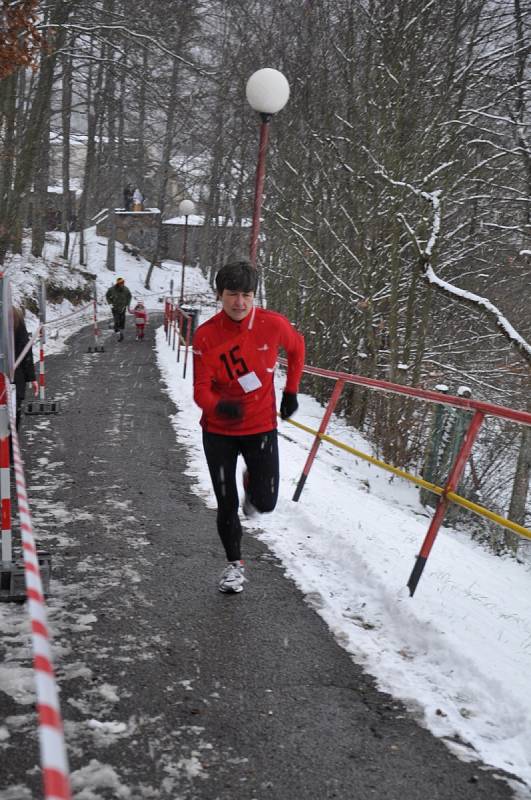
{"x": 232, "y": 578}
{"x": 247, "y": 507}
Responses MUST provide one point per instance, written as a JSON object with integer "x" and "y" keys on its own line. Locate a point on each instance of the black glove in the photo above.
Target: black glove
{"x": 230, "y": 409}
{"x": 289, "y": 405}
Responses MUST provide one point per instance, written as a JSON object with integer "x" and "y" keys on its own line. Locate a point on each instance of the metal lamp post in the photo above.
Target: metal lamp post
{"x": 267, "y": 91}
{"x": 186, "y": 207}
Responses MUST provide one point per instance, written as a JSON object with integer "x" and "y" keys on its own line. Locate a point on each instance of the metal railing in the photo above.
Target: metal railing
{"x": 446, "y": 494}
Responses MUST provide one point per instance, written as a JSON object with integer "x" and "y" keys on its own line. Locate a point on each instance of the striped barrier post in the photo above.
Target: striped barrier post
{"x": 42, "y": 341}
{"x": 5, "y": 485}
{"x": 54, "y": 762}
{"x": 97, "y": 347}
{"x": 42, "y": 407}
{"x": 7, "y": 365}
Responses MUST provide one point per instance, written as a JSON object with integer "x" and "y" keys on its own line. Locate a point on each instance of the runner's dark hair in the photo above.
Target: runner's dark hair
{"x": 237, "y": 276}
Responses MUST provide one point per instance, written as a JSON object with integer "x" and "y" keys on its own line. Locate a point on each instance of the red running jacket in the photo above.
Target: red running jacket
{"x": 236, "y": 361}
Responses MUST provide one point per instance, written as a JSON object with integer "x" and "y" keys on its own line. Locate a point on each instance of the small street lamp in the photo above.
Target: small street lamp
{"x": 186, "y": 207}
{"x": 267, "y": 91}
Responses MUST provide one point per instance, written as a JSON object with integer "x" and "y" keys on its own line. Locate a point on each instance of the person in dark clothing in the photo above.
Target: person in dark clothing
{"x": 119, "y": 298}
{"x": 25, "y": 372}
{"x": 129, "y": 191}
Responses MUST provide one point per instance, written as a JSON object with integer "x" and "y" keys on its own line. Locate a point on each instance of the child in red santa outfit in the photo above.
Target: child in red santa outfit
{"x": 141, "y": 319}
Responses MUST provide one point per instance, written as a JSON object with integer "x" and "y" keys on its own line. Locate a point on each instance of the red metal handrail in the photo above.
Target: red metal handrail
{"x": 522, "y": 417}
{"x": 480, "y": 408}
{"x": 174, "y": 317}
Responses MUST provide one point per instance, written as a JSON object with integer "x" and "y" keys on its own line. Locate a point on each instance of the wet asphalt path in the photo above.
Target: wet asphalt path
{"x": 200, "y": 695}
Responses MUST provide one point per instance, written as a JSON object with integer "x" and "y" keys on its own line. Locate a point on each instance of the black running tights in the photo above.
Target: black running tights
{"x": 260, "y": 453}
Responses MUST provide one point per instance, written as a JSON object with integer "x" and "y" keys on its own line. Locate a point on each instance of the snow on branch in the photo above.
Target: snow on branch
{"x": 464, "y": 296}
{"x": 142, "y": 38}
{"x": 475, "y": 300}
{"x": 325, "y": 266}
{"x": 424, "y": 259}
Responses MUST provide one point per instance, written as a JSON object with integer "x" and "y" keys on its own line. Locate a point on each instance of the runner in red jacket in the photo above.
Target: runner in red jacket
{"x": 235, "y": 354}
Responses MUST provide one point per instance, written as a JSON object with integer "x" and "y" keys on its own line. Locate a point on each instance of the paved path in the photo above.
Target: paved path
{"x": 210, "y": 696}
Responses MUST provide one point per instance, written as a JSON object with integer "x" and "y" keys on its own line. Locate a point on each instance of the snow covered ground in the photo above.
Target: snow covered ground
{"x": 458, "y": 653}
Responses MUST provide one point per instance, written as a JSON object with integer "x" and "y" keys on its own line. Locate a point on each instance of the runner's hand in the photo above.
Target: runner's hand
{"x": 35, "y": 387}
{"x": 289, "y": 405}
{"x": 230, "y": 409}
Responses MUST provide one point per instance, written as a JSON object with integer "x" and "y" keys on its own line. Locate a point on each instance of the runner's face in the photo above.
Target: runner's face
{"x": 237, "y": 305}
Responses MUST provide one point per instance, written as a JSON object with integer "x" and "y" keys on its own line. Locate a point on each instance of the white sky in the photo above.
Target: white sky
{"x": 457, "y": 654}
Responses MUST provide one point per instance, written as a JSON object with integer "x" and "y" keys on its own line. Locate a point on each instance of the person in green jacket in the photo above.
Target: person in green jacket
{"x": 119, "y": 298}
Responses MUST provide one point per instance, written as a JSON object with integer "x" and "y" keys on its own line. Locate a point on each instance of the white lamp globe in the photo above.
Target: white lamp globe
{"x": 186, "y": 207}
{"x": 267, "y": 91}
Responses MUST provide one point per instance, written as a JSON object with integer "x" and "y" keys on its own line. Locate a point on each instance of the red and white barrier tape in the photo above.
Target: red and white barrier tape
{"x": 60, "y": 320}
{"x": 52, "y": 745}
{"x": 57, "y": 321}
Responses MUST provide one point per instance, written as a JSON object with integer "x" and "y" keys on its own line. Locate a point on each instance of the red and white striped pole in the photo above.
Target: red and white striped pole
{"x": 7, "y": 361}
{"x": 5, "y": 480}
{"x": 42, "y": 342}
{"x": 42, "y": 373}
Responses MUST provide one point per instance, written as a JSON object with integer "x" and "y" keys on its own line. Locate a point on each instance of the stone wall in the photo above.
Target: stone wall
{"x": 173, "y": 240}
{"x": 137, "y": 228}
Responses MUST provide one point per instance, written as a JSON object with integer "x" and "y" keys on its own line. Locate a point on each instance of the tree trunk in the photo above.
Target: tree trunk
{"x": 90, "y": 155}
{"x": 111, "y": 242}
{"x": 165, "y": 166}
{"x": 121, "y": 105}
{"x": 141, "y": 150}
{"x": 520, "y": 491}
{"x": 66, "y": 110}
{"x": 39, "y": 202}
{"x": 9, "y": 112}
{"x": 34, "y": 129}
{"x": 111, "y": 163}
